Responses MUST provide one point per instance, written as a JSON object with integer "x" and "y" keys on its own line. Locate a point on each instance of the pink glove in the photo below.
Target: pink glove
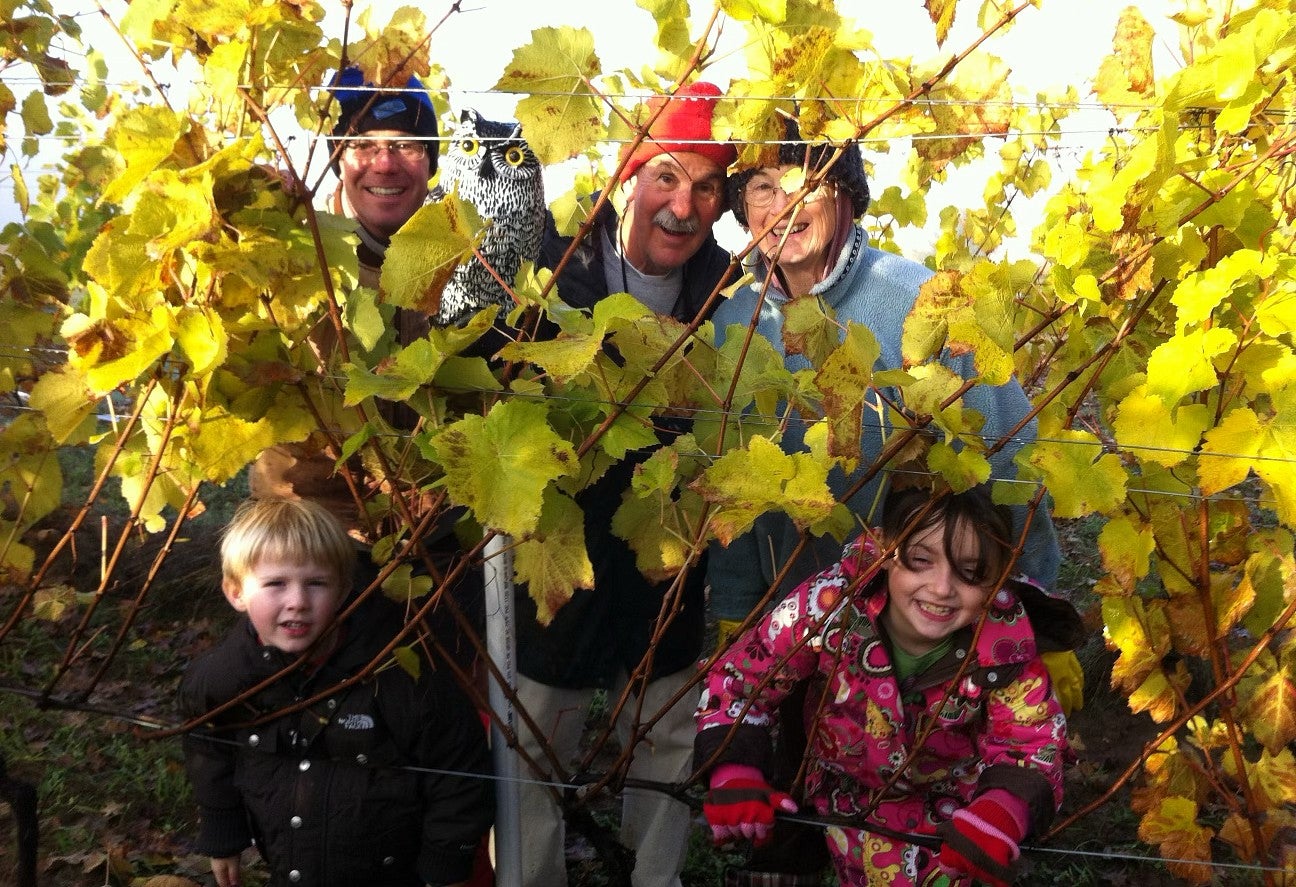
{"x": 741, "y": 804}
{"x": 981, "y": 840}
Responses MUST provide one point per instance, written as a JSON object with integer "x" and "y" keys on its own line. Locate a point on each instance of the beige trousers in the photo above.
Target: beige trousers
{"x": 653, "y": 824}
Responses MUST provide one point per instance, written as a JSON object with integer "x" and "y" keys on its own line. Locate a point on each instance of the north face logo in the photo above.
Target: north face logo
{"x": 356, "y": 722}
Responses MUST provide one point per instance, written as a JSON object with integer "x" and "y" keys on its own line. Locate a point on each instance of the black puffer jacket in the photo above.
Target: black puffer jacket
{"x": 322, "y": 791}
{"x": 602, "y": 631}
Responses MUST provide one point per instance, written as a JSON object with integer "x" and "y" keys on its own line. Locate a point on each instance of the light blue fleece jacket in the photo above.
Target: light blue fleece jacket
{"x": 876, "y": 289}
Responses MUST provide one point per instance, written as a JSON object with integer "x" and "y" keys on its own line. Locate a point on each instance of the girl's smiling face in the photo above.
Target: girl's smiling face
{"x": 931, "y": 596}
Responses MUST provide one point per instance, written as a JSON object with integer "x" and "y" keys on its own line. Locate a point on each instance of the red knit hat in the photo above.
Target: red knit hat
{"x": 684, "y": 125}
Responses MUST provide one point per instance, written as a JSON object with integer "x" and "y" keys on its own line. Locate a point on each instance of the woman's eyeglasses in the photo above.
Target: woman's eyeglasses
{"x": 760, "y": 193}
{"x": 367, "y": 150}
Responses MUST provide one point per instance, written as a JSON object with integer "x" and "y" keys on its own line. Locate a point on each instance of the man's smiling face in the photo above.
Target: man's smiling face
{"x": 385, "y": 191}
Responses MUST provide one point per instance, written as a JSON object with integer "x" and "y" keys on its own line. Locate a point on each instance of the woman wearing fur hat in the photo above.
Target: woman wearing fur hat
{"x": 819, "y": 250}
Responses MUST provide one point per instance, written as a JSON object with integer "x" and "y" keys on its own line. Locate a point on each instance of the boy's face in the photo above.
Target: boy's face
{"x": 928, "y": 601}
{"x": 290, "y": 605}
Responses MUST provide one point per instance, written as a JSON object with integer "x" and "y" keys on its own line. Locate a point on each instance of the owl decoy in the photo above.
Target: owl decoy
{"x": 489, "y": 164}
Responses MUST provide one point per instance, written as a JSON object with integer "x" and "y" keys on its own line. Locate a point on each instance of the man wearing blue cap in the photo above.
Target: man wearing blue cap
{"x": 384, "y": 152}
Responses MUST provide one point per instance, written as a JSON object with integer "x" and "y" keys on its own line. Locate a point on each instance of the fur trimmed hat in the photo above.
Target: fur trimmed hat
{"x": 846, "y": 175}
{"x": 366, "y": 108}
{"x": 683, "y": 126}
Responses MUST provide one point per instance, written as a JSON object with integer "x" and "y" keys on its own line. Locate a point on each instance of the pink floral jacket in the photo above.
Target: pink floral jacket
{"x": 1000, "y": 727}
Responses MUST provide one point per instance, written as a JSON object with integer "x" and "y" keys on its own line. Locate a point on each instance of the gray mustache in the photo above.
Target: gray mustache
{"x": 674, "y": 224}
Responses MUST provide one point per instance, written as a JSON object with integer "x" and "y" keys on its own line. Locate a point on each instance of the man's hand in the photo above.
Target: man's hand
{"x": 1068, "y": 679}
{"x": 741, "y": 804}
{"x": 226, "y": 871}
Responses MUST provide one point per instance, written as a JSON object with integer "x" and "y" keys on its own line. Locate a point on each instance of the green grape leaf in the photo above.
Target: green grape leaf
{"x": 559, "y": 115}
{"x": 552, "y": 562}
{"x": 500, "y": 464}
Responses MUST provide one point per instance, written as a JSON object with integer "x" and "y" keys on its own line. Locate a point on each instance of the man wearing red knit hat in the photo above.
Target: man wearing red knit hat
{"x": 661, "y": 251}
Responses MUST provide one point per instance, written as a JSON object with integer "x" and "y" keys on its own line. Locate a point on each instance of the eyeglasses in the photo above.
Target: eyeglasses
{"x": 367, "y": 150}
{"x": 668, "y": 180}
{"x": 759, "y": 193}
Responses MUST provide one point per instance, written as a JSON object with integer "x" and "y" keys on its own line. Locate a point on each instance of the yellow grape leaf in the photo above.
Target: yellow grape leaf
{"x": 390, "y": 52}
{"x": 745, "y": 483}
{"x": 1173, "y": 828}
{"x": 1160, "y": 693}
{"x": 426, "y": 250}
{"x": 942, "y": 16}
{"x": 559, "y": 115}
{"x": 402, "y": 585}
{"x": 499, "y": 465}
{"x": 1276, "y": 311}
{"x": 65, "y": 400}
{"x": 553, "y": 561}
{"x": 1153, "y": 432}
{"x": 408, "y": 659}
{"x": 1079, "y": 476}
{"x": 35, "y": 115}
{"x": 117, "y": 353}
{"x": 52, "y": 602}
{"x": 1243, "y": 441}
{"x": 1125, "y": 76}
{"x": 16, "y": 559}
{"x": 201, "y": 336}
{"x": 974, "y": 103}
{"x": 673, "y": 37}
{"x": 772, "y": 11}
{"x": 1200, "y": 293}
{"x": 144, "y": 136}
{"x": 1183, "y": 364}
{"x": 944, "y": 318}
{"x": 1140, "y": 633}
{"x": 658, "y": 522}
{"x": 225, "y": 444}
{"x": 1228, "y": 450}
{"x": 1275, "y": 775}
{"x": 808, "y": 330}
{"x": 844, "y": 380}
{"x": 1126, "y": 548}
{"x": 1271, "y": 714}
{"x": 395, "y": 380}
{"x": 31, "y": 480}
{"x": 1268, "y": 573}
{"x": 962, "y": 469}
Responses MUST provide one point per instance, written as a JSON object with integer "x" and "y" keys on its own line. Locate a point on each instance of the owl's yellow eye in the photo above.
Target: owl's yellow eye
{"x": 468, "y": 146}
{"x": 514, "y": 156}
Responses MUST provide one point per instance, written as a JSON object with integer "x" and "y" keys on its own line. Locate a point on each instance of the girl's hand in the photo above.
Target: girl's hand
{"x": 741, "y": 804}
{"x": 226, "y": 871}
{"x": 981, "y": 840}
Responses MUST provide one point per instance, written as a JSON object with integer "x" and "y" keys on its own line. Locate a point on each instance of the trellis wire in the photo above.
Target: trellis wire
{"x": 677, "y": 792}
